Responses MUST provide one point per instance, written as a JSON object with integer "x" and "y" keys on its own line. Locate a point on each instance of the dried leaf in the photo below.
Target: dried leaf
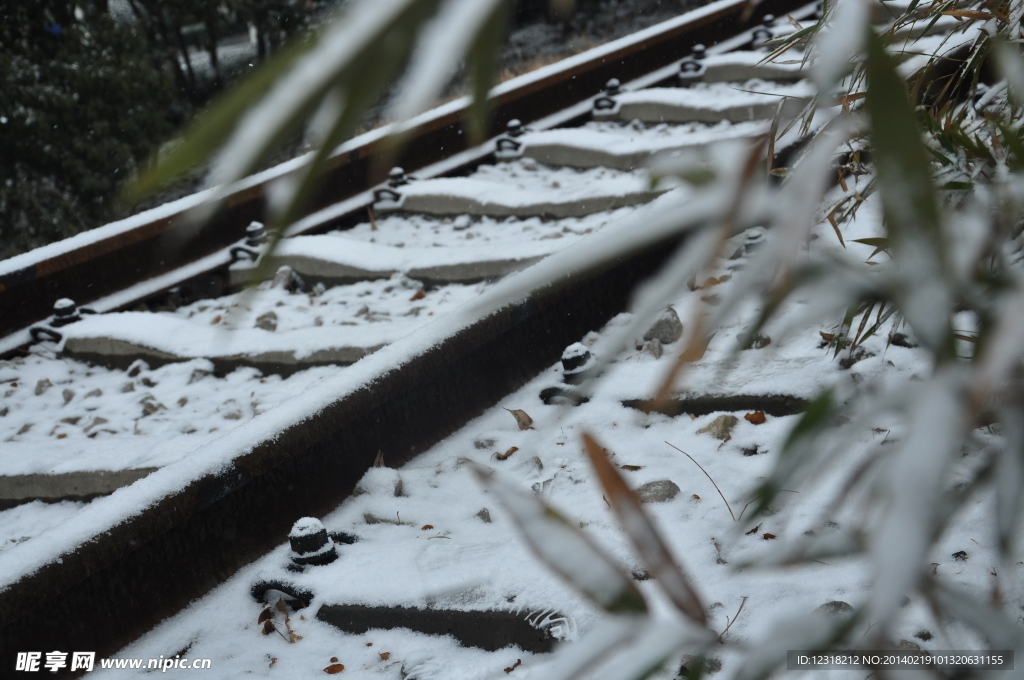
{"x": 757, "y": 418}
{"x": 418, "y": 295}
{"x": 632, "y": 468}
{"x": 523, "y": 419}
{"x": 334, "y": 668}
{"x": 753, "y": 531}
{"x": 293, "y": 638}
{"x": 768, "y": 537}
{"x": 511, "y": 668}
{"x": 645, "y": 538}
{"x": 384, "y": 656}
{"x": 281, "y": 607}
{"x": 565, "y": 549}
{"x": 378, "y": 462}
{"x": 426, "y": 527}
{"x": 334, "y": 659}
{"x": 264, "y": 615}
{"x": 503, "y": 456}
{"x": 268, "y": 627}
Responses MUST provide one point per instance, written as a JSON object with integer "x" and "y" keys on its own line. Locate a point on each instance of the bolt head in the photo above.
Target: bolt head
{"x": 64, "y": 307}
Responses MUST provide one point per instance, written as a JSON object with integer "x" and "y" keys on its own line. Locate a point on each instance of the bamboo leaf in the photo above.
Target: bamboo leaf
{"x": 565, "y": 549}
{"x": 909, "y": 202}
{"x": 644, "y": 536}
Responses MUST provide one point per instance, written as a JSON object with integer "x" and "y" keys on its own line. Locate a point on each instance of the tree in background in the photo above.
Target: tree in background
{"x": 87, "y": 97}
{"x": 80, "y": 107}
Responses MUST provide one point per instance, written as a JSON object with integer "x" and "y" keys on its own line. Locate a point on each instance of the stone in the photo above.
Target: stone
{"x": 484, "y": 515}
{"x": 150, "y": 405}
{"x": 43, "y": 385}
{"x": 658, "y": 491}
{"x": 760, "y": 341}
{"x": 653, "y": 347}
{"x": 483, "y": 443}
{"x": 721, "y": 427}
{"x": 667, "y": 329}
{"x": 68, "y": 395}
{"x": 836, "y": 608}
{"x": 267, "y": 321}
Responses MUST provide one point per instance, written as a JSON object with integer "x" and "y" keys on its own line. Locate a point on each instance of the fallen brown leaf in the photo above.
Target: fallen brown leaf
{"x": 426, "y": 527}
{"x": 264, "y": 615}
{"x": 268, "y": 627}
{"x": 384, "y": 656}
{"x": 419, "y": 295}
{"x": 695, "y": 497}
{"x": 632, "y": 468}
{"x": 503, "y": 456}
{"x": 511, "y": 668}
{"x": 768, "y": 537}
{"x": 754, "y": 530}
{"x": 334, "y": 668}
{"x": 757, "y": 418}
{"x": 334, "y": 659}
{"x": 280, "y": 606}
{"x": 523, "y": 419}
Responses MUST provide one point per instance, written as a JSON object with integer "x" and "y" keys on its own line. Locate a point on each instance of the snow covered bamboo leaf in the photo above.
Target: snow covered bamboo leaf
{"x": 656, "y": 642}
{"x": 608, "y": 636}
{"x": 911, "y": 491}
{"x": 565, "y": 549}
{"x": 999, "y": 631}
{"x": 814, "y": 632}
{"x": 482, "y": 61}
{"x": 1009, "y": 477}
{"x": 1011, "y": 64}
{"x": 909, "y": 202}
{"x": 813, "y": 421}
{"x": 645, "y": 537}
{"x": 839, "y": 41}
{"x": 211, "y": 130}
{"x": 1002, "y": 350}
{"x": 448, "y": 38}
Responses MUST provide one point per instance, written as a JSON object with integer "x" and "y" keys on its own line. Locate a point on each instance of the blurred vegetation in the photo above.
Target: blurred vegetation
{"x": 88, "y": 96}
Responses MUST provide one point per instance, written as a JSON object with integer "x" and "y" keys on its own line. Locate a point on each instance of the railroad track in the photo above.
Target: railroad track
{"x": 358, "y": 281}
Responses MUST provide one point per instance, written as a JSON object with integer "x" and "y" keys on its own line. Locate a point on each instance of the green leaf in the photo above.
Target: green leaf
{"x": 813, "y": 420}
{"x": 910, "y": 203}
{"x": 482, "y": 63}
